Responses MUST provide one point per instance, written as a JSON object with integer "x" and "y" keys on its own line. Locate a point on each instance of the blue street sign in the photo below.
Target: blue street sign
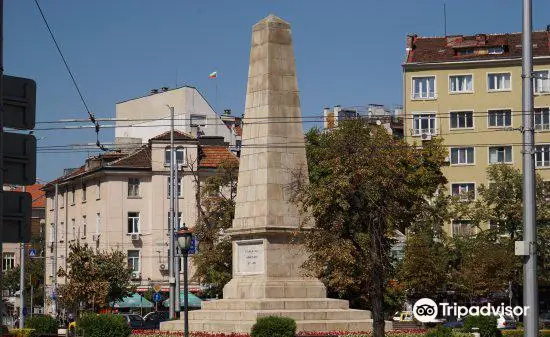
{"x": 32, "y": 252}
{"x": 24, "y": 311}
{"x": 194, "y": 245}
{"x": 53, "y": 296}
{"x": 157, "y": 297}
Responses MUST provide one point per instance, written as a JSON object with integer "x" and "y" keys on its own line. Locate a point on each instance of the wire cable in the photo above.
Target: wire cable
{"x": 90, "y": 114}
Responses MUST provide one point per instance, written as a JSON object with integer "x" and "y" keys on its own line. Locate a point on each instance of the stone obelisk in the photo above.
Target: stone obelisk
{"x": 267, "y": 279}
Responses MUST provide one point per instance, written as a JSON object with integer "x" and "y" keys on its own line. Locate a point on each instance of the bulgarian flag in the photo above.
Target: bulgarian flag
{"x": 213, "y": 74}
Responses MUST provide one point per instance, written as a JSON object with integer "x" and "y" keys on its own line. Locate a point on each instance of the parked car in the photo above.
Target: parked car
{"x": 544, "y": 320}
{"x": 506, "y": 322}
{"x": 134, "y": 321}
{"x": 403, "y": 316}
{"x": 153, "y": 319}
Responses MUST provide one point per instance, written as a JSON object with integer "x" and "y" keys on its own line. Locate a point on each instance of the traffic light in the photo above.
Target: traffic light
{"x": 19, "y": 155}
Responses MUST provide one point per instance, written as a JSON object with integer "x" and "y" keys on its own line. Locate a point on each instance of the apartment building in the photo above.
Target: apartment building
{"x": 121, "y": 201}
{"x": 467, "y": 91}
{"x": 139, "y": 119}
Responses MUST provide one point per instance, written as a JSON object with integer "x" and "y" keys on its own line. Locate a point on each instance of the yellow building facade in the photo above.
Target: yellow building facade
{"x": 467, "y": 90}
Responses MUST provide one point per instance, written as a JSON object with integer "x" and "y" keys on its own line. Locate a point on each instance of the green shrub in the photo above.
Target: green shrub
{"x": 519, "y": 333}
{"x": 487, "y": 325}
{"x": 41, "y": 324}
{"x": 461, "y": 334}
{"x": 103, "y": 326}
{"x": 274, "y": 326}
{"x": 440, "y": 331}
{"x": 22, "y": 332}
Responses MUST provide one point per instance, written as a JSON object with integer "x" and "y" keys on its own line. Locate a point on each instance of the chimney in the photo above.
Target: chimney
{"x": 154, "y": 91}
{"x": 410, "y": 42}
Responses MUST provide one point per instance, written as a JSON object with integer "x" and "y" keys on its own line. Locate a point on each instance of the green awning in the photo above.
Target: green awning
{"x": 192, "y": 300}
{"x": 134, "y": 301}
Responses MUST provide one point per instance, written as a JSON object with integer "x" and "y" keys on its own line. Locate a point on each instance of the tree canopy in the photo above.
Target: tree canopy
{"x": 363, "y": 185}
{"x": 94, "y": 278}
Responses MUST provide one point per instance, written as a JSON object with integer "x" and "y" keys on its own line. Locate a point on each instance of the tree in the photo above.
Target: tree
{"x": 217, "y": 208}
{"x": 94, "y": 278}
{"x": 363, "y": 184}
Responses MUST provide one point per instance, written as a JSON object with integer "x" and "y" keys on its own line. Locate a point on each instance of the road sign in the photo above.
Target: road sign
{"x": 54, "y": 296}
{"x": 32, "y": 252}
{"x": 157, "y": 287}
{"x": 19, "y": 159}
{"x": 194, "y": 245}
{"x": 157, "y": 297}
{"x": 17, "y": 217}
{"x": 19, "y": 95}
{"x": 24, "y": 311}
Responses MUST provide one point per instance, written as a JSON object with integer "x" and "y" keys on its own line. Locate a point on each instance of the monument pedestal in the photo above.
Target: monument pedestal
{"x": 310, "y": 314}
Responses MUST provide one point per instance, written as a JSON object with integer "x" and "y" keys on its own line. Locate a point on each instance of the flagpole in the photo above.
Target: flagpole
{"x": 217, "y": 95}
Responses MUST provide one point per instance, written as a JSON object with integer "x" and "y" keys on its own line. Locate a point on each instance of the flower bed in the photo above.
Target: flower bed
{"x": 393, "y": 333}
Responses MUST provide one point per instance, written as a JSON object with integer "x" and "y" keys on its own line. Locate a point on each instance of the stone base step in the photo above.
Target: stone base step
{"x": 296, "y": 314}
{"x": 246, "y": 326}
{"x": 275, "y": 304}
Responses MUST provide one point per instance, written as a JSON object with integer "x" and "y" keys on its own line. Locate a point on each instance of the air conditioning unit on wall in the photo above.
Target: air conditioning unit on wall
{"x": 95, "y": 237}
{"x": 135, "y": 237}
{"x": 426, "y": 136}
{"x": 136, "y": 275}
{"x": 162, "y": 266}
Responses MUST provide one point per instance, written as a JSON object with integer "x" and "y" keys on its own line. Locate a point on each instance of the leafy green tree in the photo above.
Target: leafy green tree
{"x": 363, "y": 184}
{"x": 217, "y": 210}
{"x": 94, "y": 278}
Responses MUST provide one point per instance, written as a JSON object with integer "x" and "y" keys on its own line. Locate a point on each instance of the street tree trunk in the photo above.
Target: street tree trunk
{"x": 377, "y": 297}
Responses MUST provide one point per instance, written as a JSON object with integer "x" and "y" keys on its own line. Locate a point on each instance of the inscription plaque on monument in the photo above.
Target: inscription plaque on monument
{"x": 250, "y": 257}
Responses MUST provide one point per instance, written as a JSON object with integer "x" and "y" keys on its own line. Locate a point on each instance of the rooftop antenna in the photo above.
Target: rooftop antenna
{"x": 445, "y": 17}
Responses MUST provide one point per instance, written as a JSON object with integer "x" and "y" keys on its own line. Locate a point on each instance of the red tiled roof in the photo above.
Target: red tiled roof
{"x": 214, "y": 155}
{"x": 140, "y": 158}
{"x": 37, "y": 194}
{"x": 178, "y": 135}
{"x": 446, "y": 49}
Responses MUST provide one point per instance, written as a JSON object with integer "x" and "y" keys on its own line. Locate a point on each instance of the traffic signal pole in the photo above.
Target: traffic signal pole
{"x": 1, "y": 140}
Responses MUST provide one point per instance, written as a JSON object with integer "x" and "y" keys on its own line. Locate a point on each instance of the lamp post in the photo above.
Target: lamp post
{"x": 184, "y": 236}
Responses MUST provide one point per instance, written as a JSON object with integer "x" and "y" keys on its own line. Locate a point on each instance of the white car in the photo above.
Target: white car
{"x": 506, "y": 322}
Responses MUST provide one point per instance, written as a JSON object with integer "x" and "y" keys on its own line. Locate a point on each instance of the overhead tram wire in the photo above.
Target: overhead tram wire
{"x": 90, "y": 114}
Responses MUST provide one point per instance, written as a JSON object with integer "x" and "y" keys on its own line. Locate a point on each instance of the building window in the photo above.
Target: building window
{"x": 424, "y": 87}
{"x": 133, "y": 222}
{"x": 180, "y": 156}
{"x": 500, "y": 155}
{"x": 179, "y": 221}
{"x": 461, "y": 83}
{"x": 179, "y": 187}
{"x": 72, "y": 195}
{"x": 500, "y": 118}
{"x": 84, "y": 192}
{"x": 133, "y": 260}
{"x": 541, "y": 81}
{"x": 98, "y": 190}
{"x": 84, "y": 227}
{"x": 424, "y": 124}
{"x": 198, "y": 120}
{"x": 73, "y": 225}
{"x": 133, "y": 187}
{"x": 8, "y": 261}
{"x": 52, "y": 233}
{"x": 465, "y": 191}
{"x": 463, "y": 227}
{"x": 495, "y": 50}
{"x": 61, "y": 232}
{"x": 97, "y": 223}
{"x": 498, "y": 82}
{"x": 462, "y": 155}
{"x": 462, "y": 120}
{"x": 542, "y": 155}
{"x": 61, "y": 200}
{"x": 542, "y": 119}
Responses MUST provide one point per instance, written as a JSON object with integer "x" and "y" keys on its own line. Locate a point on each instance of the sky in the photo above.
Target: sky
{"x": 347, "y": 52}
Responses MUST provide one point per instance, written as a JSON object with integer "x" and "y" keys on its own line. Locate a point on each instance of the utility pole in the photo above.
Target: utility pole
{"x": 54, "y": 261}
{"x": 22, "y": 284}
{"x": 176, "y": 224}
{"x": 171, "y": 277}
{"x": 1, "y": 140}
{"x": 530, "y": 290}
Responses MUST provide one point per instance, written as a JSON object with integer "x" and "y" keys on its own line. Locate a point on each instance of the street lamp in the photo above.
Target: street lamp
{"x": 184, "y": 236}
